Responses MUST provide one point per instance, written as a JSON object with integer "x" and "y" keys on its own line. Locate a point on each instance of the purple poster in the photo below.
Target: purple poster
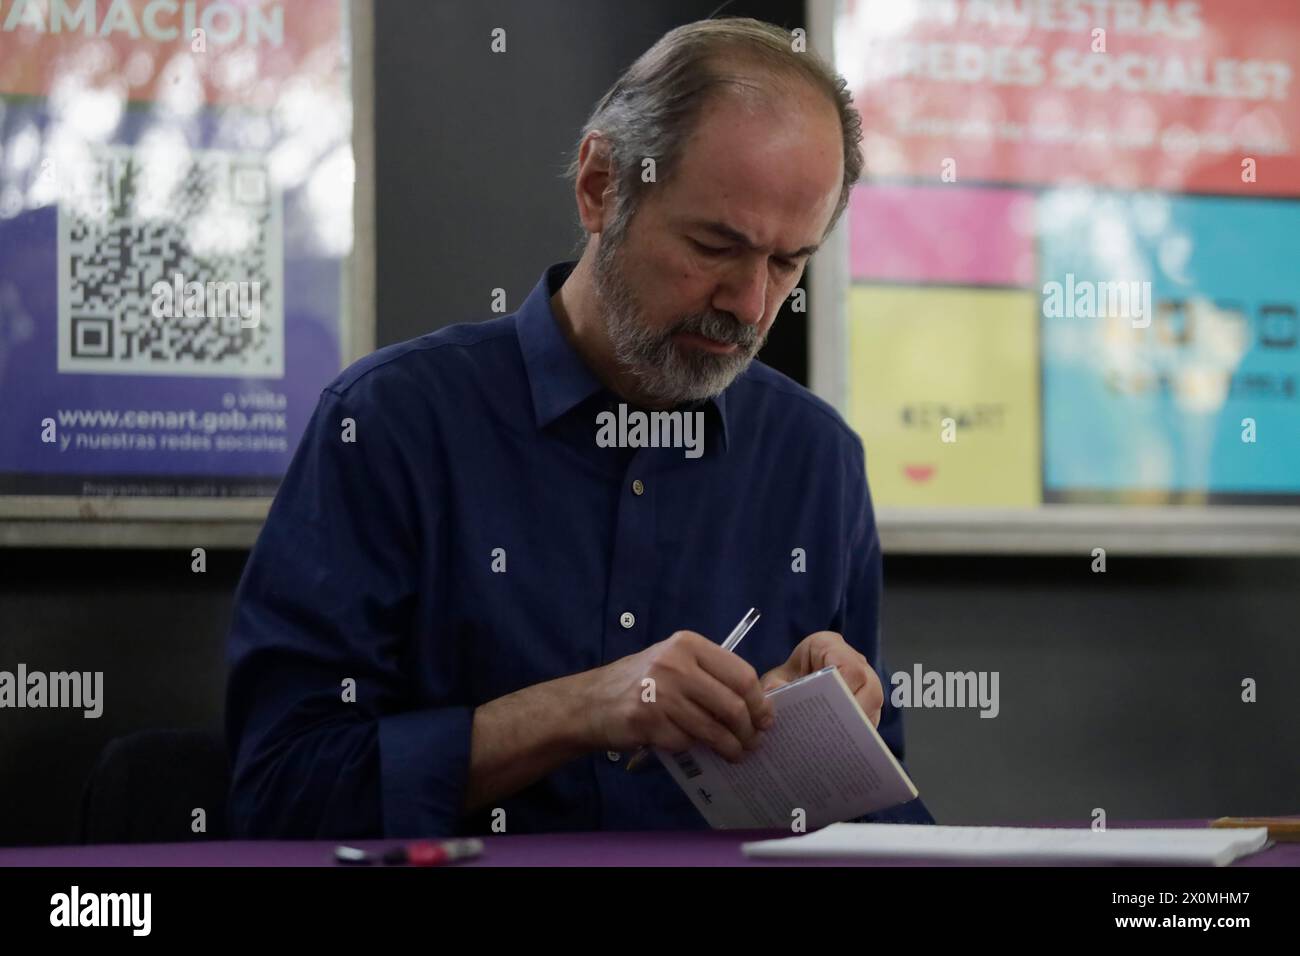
{"x": 175, "y": 223}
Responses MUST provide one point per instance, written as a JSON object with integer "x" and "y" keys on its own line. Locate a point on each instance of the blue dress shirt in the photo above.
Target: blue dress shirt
{"x": 375, "y": 614}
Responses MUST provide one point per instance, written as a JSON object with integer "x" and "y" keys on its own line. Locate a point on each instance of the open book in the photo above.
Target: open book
{"x": 821, "y": 762}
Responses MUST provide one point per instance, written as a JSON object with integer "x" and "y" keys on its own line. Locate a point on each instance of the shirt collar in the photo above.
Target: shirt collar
{"x": 558, "y": 378}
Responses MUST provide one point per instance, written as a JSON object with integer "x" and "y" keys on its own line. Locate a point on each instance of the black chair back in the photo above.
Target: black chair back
{"x": 148, "y": 785}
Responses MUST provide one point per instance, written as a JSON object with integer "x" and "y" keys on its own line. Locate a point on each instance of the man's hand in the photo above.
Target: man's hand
{"x": 822, "y": 650}
{"x": 701, "y": 693}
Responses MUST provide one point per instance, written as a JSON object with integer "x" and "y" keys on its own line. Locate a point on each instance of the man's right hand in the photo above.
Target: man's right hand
{"x": 701, "y": 693}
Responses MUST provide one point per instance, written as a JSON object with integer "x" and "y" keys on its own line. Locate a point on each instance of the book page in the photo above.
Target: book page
{"x": 821, "y": 762}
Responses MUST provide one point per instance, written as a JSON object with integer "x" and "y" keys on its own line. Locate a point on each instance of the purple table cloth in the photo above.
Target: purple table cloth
{"x": 692, "y": 848}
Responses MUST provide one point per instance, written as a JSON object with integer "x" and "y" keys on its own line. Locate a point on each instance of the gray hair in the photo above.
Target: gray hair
{"x": 652, "y": 109}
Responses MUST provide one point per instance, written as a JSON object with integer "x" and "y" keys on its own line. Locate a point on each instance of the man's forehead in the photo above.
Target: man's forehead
{"x": 750, "y": 171}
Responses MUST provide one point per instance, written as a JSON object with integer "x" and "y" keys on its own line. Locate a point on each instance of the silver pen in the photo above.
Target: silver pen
{"x": 733, "y": 639}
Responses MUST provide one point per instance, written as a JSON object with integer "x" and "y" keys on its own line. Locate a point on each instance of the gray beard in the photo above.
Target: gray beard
{"x": 664, "y": 372}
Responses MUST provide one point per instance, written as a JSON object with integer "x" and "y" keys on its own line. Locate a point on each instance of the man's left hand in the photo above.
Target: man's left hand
{"x": 822, "y": 650}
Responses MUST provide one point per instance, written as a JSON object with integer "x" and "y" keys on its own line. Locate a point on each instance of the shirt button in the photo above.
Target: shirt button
{"x": 613, "y": 755}
{"x": 637, "y": 487}
{"x": 627, "y": 619}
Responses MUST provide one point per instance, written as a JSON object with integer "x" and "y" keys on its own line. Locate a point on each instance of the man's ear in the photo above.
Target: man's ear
{"x": 594, "y": 187}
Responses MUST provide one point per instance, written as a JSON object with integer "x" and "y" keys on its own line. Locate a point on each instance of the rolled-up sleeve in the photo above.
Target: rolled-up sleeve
{"x": 329, "y": 736}
{"x": 424, "y": 762}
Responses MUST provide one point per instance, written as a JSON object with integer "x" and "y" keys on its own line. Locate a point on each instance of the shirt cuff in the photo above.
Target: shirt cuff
{"x": 424, "y": 770}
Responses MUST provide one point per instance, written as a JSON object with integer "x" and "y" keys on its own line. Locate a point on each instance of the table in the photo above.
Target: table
{"x": 653, "y": 848}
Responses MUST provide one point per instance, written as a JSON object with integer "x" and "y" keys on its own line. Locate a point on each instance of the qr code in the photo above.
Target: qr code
{"x": 171, "y": 265}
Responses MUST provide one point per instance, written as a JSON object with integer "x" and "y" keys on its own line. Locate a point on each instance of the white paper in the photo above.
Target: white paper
{"x": 821, "y": 762}
{"x": 1037, "y": 844}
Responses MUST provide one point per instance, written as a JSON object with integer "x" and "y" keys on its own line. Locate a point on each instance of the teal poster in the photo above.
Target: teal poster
{"x": 1170, "y": 347}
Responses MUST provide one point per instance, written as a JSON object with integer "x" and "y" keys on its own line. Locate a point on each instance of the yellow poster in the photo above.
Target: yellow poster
{"x": 943, "y": 389}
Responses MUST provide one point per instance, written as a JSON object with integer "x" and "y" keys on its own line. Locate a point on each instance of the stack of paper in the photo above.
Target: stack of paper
{"x": 886, "y": 841}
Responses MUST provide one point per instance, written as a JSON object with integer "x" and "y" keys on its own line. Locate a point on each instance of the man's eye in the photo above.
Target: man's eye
{"x": 787, "y": 265}
{"x": 709, "y": 250}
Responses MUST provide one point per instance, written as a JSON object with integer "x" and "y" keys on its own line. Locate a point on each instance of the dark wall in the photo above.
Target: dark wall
{"x": 1118, "y": 691}
{"x": 473, "y": 145}
{"x": 154, "y": 627}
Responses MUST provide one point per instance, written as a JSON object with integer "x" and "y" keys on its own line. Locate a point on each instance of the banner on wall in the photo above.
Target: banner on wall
{"x": 1154, "y": 94}
{"x": 1085, "y": 217}
{"x": 175, "y": 220}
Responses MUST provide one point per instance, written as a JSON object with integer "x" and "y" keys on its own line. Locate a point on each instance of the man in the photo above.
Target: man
{"x": 460, "y": 590}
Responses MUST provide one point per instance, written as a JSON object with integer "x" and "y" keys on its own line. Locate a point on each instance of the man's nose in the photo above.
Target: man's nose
{"x": 743, "y": 291}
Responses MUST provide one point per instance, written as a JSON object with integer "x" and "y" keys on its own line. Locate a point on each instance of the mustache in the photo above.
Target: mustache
{"x": 720, "y": 327}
